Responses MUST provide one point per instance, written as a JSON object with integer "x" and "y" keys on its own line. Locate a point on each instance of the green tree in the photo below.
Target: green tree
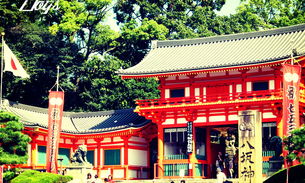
{"x": 295, "y": 144}
{"x": 13, "y": 148}
{"x": 76, "y": 38}
{"x": 175, "y": 15}
{"x": 103, "y": 89}
{"x": 13, "y": 143}
{"x": 134, "y": 40}
{"x": 276, "y": 13}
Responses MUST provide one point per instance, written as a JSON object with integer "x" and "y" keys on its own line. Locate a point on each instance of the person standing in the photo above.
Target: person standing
{"x": 96, "y": 179}
{"x": 89, "y": 178}
{"x": 221, "y": 177}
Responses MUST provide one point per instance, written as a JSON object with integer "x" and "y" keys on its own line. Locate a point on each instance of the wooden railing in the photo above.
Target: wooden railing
{"x": 238, "y": 97}
{"x": 179, "y": 170}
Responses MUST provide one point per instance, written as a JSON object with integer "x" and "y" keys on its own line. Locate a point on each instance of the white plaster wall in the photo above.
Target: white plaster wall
{"x": 171, "y": 78}
{"x": 268, "y": 115}
{"x": 132, "y": 173}
{"x": 169, "y": 121}
{"x": 137, "y": 139}
{"x": 140, "y": 145}
{"x": 249, "y": 86}
{"x": 183, "y": 77}
{"x": 197, "y": 92}
{"x": 232, "y": 117}
{"x": 118, "y": 173}
{"x": 112, "y": 145}
{"x": 200, "y": 119}
{"x": 234, "y": 72}
{"x": 137, "y": 157}
{"x": 267, "y": 69}
{"x": 238, "y": 88}
{"x": 40, "y": 137}
{"x": 104, "y": 174}
{"x": 201, "y": 75}
{"x": 107, "y": 140}
{"x": 271, "y": 85}
{"x": 117, "y": 139}
{"x": 81, "y": 141}
{"x": 181, "y": 120}
{"x": 68, "y": 141}
{"x": 167, "y": 93}
{"x": 217, "y": 74}
{"x": 217, "y": 118}
{"x": 253, "y": 70}
{"x": 187, "y": 91}
{"x": 91, "y": 141}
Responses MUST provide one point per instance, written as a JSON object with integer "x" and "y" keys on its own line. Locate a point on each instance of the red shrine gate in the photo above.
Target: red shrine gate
{"x": 227, "y": 74}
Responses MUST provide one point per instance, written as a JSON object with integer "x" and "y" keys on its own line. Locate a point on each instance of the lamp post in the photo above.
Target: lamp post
{"x": 60, "y": 159}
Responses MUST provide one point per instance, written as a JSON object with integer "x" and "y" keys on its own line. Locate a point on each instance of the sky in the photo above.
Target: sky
{"x": 227, "y": 9}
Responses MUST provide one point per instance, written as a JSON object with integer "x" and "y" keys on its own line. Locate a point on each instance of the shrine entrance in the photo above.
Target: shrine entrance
{"x": 153, "y": 156}
{"x": 224, "y": 140}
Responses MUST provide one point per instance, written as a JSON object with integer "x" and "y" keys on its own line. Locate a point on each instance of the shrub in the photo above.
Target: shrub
{"x": 295, "y": 175}
{"x": 32, "y": 176}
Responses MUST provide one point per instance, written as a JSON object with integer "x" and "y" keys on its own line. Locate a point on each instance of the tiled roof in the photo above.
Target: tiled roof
{"x": 79, "y": 123}
{"x": 242, "y": 49}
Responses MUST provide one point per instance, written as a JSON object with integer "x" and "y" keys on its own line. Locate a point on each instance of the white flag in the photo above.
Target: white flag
{"x": 12, "y": 64}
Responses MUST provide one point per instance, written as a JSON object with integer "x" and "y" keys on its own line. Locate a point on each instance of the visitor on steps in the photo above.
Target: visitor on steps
{"x": 221, "y": 177}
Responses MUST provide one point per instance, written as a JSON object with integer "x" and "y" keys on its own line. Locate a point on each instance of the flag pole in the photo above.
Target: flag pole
{"x": 2, "y": 55}
{"x": 57, "y": 79}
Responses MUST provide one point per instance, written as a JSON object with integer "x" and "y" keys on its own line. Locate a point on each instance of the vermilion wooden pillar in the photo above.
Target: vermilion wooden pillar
{"x": 98, "y": 144}
{"x": 209, "y": 151}
{"x": 34, "y": 150}
{"x": 126, "y": 139}
{"x": 160, "y": 167}
{"x": 192, "y": 157}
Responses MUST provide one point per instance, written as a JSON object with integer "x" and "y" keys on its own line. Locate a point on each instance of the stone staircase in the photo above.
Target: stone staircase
{"x": 174, "y": 181}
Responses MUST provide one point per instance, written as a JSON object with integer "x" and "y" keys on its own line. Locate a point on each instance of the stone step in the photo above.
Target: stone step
{"x": 174, "y": 181}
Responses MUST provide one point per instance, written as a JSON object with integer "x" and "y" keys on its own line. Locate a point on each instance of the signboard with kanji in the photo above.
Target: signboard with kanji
{"x": 291, "y": 94}
{"x": 189, "y": 148}
{"x": 250, "y": 146}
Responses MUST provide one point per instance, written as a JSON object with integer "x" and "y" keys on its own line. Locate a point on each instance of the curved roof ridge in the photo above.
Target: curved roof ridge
{"x": 174, "y": 57}
{"x": 25, "y": 106}
{"x": 66, "y": 113}
{"x": 230, "y": 37}
{"x": 98, "y": 113}
{"x": 79, "y": 123}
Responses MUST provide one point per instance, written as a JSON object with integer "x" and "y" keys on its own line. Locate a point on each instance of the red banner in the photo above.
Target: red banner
{"x": 1, "y": 174}
{"x": 56, "y": 104}
{"x": 291, "y": 94}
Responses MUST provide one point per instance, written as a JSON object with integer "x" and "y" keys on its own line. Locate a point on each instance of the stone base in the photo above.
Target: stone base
{"x": 79, "y": 173}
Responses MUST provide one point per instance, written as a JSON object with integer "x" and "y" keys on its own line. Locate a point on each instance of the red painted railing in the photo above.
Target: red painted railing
{"x": 238, "y": 97}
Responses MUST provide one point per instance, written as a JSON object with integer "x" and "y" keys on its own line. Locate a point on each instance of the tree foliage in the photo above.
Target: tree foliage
{"x": 13, "y": 143}
{"x": 38, "y": 177}
{"x": 295, "y": 144}
{"x": 89, "y": 52}
{"x": 177, "y": 16}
